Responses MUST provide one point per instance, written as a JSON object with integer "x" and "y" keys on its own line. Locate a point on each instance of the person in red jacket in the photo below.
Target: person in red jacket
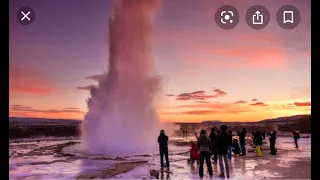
{"x": 194, "y": 153}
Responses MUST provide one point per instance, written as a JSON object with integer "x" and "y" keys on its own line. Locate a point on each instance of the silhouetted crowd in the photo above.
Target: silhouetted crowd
{"x": 219, "y": 145}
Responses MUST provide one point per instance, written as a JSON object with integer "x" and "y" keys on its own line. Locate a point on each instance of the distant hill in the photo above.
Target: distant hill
{"x": 279, "y": 120}
{"x": 25, "y": 121}
{"x": 286, "y": 120}
{"x": 210, "y": 121}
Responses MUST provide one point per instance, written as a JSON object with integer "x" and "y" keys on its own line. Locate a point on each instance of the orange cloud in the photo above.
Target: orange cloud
{"x": 201, "y": 112}
{"x": 28, "y": 80}
{"x": 209, "y": 108}
{"x": 284, "y": 107}
{"x": 254, "y": 100}
{"x": 31, "y": 109}
{"x": 212, "y": 105}
{"x": 26, "y": 111}
{"x": 302, "y": 103}
{"x": 206, "y": 102}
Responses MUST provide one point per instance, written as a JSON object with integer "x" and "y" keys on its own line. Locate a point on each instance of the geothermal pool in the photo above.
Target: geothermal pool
{"x": 63, "y": 160}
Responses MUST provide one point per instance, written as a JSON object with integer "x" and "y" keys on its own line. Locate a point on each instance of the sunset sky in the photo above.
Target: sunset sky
{"x": 207, "y": 73}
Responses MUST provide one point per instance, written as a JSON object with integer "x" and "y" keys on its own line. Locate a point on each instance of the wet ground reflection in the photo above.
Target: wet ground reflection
{"x": 43, "y": 165}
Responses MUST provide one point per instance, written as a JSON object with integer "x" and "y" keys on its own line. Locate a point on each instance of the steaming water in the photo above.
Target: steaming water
{"x": 122, "y": 119}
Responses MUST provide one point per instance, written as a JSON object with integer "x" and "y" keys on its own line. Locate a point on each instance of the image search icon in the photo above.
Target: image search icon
{"x": 227, "y": 17}
{"x": 287, "y": 16}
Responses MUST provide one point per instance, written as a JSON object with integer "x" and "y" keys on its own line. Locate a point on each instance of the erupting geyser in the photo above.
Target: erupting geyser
{"x": 122, "y": 119}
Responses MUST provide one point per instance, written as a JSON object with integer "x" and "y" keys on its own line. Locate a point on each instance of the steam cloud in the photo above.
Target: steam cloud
{"x": 122, "y": 119}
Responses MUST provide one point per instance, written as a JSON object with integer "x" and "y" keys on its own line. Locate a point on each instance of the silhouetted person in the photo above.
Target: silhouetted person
{"x": 218, "y": 131}
{"x": 269, "y": 134}
{"x": 242, "y": 138}
{"x": 163, "y": 147}
{"x": 186, "y": 133}
{"x": 258, "y": 142}
{"x": 205, "y": 149}
{"x": 272, "y": 140}
{"x": 230, "y": 147}
{"x": 196, "y": 135}
{"x": 236, "y": 148}
{"x": 223, "y": 142}
{"x": 264, "y": 135}
{"x": 183, "y": 133}
{"x": 213, "y": 135}
{"x": 296, "y": 136}
{"x": 253, "y": 135}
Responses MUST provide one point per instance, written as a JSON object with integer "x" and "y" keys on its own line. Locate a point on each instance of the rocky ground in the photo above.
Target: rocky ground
{"x": 58, "y": 160}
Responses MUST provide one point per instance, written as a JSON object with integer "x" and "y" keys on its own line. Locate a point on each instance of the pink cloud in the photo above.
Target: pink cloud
{"x": 258, "y": 39}
{"x": 28, "y": 80}
{"x": 240, "y": 102}
{"x": 204, "y": 102}
{"x": 253, "y": 56}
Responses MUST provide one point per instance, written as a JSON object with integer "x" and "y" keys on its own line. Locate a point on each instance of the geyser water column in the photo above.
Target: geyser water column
{"x": 121, "y": 119}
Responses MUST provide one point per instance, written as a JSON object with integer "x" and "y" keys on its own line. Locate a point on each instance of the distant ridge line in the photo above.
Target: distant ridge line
{"x": 34, "y": 118}
{"x": 271, "y": 120}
